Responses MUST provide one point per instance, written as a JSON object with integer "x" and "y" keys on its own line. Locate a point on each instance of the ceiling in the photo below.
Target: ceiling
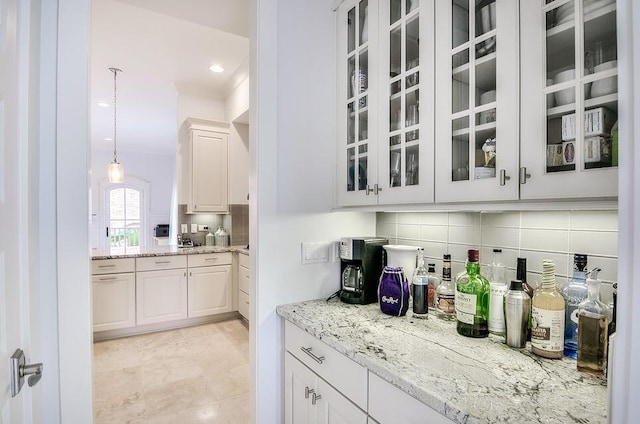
{"x": 164, "y": 47}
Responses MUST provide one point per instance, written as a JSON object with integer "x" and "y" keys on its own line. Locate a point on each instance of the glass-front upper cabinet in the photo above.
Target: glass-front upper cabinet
{"x": 477, "y": 109}
{"x": 569, "y": 74}
{"x": 357, "y": 100}
{"x": 406, "y": 148}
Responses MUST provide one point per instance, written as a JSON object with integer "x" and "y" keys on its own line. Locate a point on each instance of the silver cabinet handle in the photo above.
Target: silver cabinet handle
{"x": 376, "y": 189}
{"x": 107, "y": 278}
{"x": 307, "y": 350}
{"x": 314, "y": 398}
{"x": 524, "y": 175}
{"x": 162, "y": 262}
{"x": 307, "y": 392}
{"x": 504, "y": 177}
{"x": 211, "y": 259}
{"x": 106, "y": 266}
{"x": 367, "y": 190}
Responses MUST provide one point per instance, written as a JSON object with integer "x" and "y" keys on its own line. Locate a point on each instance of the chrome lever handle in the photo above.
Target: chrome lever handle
{"x": 314, "y": 398}
{"x": 376, "y": 189}
{"x": 19, "y": 370}
{"x": 307, "y": 350}
{"x": 34, "y": 371}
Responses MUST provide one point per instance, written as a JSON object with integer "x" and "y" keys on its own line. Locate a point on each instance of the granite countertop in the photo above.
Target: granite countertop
{"x": 467, "y": 380}
{"x": 167, "y": 251}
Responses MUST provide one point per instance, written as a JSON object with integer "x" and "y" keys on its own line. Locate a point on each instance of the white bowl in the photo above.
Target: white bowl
{"x": 604, "y": 87}
{"x": 563, "y": 76}
{"x": 488, "y": 97}
{"x": 606, "y": 65}
{"x": 565, "y": 97}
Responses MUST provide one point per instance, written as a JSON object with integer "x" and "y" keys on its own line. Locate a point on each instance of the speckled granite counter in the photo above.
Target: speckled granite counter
{"x": 467, "y": 380}
{"x": 168, "y": 250}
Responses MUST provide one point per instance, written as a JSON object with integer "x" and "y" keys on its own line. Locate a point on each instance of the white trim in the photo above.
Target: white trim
{"x": 625, "y": 385}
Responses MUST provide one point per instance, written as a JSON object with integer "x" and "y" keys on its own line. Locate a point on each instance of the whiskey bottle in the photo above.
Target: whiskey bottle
{"x": 593, "y": 323}
{"x": 547, "y": 332}
{"x": 446, "y": 292}
{"x": 472, "y": 299}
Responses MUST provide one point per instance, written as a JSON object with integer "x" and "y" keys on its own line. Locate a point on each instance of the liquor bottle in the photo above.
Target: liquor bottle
{"x": 593, "y": 322}
{"x": 420, "y": 288}
{"x": 434, "y": 282}
{"x": 548, "y": 315}
{"x": 472, "y": 299}
{"x": 521, "y": 274}
{"x": 574, "y": 293}
{"x": 497, "y": 290}
{"x": 446, "y": 292}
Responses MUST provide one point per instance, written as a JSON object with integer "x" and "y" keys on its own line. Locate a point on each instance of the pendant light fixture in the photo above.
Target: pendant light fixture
{"x": 116, "y": 171}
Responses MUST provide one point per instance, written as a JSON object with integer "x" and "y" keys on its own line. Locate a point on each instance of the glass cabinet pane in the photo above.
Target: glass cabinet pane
{"x": 351, "y": 30}
{"x": 460, "y": 24}
{"x": 363, "y": 21}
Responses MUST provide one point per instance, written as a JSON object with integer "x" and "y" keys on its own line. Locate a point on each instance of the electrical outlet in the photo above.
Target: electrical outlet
{"x": 194, "y": 228}
{"x": 203, "y": 227}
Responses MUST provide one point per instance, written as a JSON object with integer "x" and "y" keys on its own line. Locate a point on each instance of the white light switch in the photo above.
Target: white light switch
{"x": 194, "y": 228}
{"x": 183, "y": 228}
{"x": 315, "y": 252}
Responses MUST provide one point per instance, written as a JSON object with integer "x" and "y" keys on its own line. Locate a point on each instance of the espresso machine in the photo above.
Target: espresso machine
{"x": 361, "y": 264}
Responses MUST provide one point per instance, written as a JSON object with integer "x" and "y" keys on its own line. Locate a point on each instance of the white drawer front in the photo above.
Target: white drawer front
{"x": 243, "y": 260}
{"x": 113, "y": 266}
{"x": 347, "y": 376}
{"x": 156, "y": 263}
{"x": 243, "y": 279}
{"x": 406, "y": 409}
{"x": 208, "y": 259}
{"x": 243, "y": 304}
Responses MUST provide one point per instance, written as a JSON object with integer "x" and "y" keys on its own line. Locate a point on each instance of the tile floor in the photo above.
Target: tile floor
{"x": 192, "y": 375}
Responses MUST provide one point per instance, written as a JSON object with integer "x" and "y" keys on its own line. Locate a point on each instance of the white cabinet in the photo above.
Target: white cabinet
{"x": 203, "y": 172}
{"x": 161, "y": 289}
{"x": 113, "y": 294}
{"x": 570, "y": 100}
{"x": 385, "y": 101}
{"x": 390, "y": 405}
{"x": 478, "y": 102}
{"x": 309, "y": 399}
{"x": 209, "y": 284}
{"x": 243, "y": 285}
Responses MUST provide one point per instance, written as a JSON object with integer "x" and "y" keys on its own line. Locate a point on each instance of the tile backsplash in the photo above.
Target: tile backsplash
{"x": 537, "y": 235}
{"x": 236, "y": 223}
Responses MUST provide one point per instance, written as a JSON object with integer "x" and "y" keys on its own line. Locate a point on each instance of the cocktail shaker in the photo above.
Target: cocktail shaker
{"x": 517, "y": 309}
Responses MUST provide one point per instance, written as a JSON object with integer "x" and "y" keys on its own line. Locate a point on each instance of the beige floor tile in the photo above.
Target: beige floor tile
{"x": 128, "y": 409}
{"x": 237, "y": 409}
{"x": 160, "y": 339}
{"x": 162, "y": 371}
{"x": 235, "y": 330}
{"x": 232, "y": 383}
{"x": 178, "y": 395}
{"x": 198, "y": 331}
{"x": 115, "y": 354}
{"x": 117, "y": 384}
{"x": 210, "y": 413}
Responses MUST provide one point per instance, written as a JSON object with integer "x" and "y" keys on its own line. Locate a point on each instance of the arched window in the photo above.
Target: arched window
{"x": 125, "y": 215}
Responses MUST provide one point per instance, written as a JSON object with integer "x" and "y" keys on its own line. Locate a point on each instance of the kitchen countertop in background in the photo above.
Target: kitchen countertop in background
{"x": 169, "y": 250}
{"x": 467, "y": 380}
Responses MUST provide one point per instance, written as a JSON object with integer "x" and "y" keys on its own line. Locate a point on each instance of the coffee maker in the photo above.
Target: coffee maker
{"x": 361, "y": 264}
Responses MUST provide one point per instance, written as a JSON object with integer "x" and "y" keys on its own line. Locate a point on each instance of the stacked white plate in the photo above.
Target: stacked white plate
{"x": 604, "y": 86}
{"x": 565, "y": 12}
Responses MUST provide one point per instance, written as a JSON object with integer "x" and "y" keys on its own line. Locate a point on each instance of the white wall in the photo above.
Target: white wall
{"x": 238, "y": 102}
{"x": 202, "y": 107}
{"x": 156, "y": 169}
{"x": 290, "y": 203}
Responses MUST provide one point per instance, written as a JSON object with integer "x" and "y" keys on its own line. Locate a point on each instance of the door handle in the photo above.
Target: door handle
{"x": 19, "y": 370}
{"x": 307, "y": 392}
{"x": 504, "y": 177}
{"x": 524, "y": 175}
{"x": 314, "y": 398}
{"x": 316, "y": 358}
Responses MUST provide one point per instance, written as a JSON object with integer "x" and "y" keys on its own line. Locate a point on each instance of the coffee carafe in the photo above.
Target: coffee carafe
{"x": 361, "y": 264}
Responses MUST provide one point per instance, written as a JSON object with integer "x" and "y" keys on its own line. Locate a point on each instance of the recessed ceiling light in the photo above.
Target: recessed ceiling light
{"x": 103, "y": 104}
{"x": 216, "y": 68}
{"x": 108, "y": 139}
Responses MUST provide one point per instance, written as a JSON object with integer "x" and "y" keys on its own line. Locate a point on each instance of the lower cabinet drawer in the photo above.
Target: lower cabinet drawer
{"x": 209, "y": 259}
{"x": 156, "y": 263}
{"x": 390, "y": 405}
{"x": 347, "y": 376}
{"x": 112, "y": 266}
{"x": 243, "y": 304}
{"x": 243, "y": 279}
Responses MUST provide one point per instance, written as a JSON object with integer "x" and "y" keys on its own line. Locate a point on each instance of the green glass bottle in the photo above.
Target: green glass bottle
{"x": 472, "y": 299}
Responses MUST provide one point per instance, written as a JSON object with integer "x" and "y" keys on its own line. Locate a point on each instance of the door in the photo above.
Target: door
{"x": 209, "y": 290}
{"x": 299, "y": 386}
{"x": 333, "y": 408}
{"x": 14, "y": 251}
{"x": 161, "y": 296}
{"x": 114, "y": 301}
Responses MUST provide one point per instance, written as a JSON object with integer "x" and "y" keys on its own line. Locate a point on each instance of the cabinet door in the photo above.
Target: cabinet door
{"x": 114, "y": 301}
{"x": 210, "y": 290}
{"x": 299, "y": 384}
{"x": 161, "y": 296}
{"x": 405, "y": 146}
{"x": 478, "y": 104}
{"x": 569, "y": 84}
{"x": 334, "y": 408}
{"x": 209, "y": 167}
{"x": 357, "y": 76}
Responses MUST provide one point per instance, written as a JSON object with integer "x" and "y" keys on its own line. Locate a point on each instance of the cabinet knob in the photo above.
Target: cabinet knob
{"x": 307, "y": 392}
{"x": 524, "y": 175}
{"x": 314, "y": 398}
{"x": 376, "y": 189}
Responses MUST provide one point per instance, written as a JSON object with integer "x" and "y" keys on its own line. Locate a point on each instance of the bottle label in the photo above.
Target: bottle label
{"x": 446, "y": 303}
{"x": 547, "y": 332}
{"x": 465, "y": 305}
{"x": 496, "y": 308}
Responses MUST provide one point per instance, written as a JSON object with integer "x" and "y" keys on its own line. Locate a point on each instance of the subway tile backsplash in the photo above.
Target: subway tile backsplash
{"x": 536, "y": 235}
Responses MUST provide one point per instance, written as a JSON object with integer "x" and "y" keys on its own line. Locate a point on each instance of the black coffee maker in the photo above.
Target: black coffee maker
{"x": 361, "y": 264}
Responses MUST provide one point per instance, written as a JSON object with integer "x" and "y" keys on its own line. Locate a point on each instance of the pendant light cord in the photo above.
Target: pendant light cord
{"x": 115, "y": 74}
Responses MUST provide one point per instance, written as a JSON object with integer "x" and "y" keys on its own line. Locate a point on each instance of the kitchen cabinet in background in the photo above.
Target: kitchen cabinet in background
{"x": 243, "y": 285}
{"x": 113, "y": 294}
{"x": 203, "y": 158}
{"x": 209, "y": 284}
{"x": 385, "y": 75}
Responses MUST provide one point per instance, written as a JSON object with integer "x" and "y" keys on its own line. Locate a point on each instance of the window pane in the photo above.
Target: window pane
{"x": 116, "y": 203}
{"x": 133, "y": 204}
